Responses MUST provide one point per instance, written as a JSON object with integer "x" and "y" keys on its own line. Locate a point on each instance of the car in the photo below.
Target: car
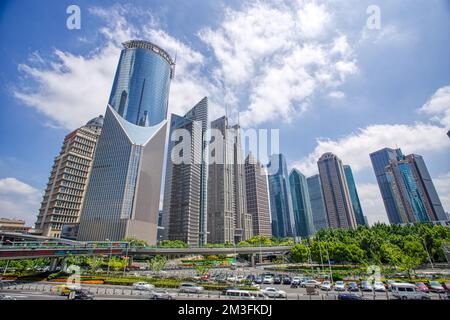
{"x": 239, "y": 294}
{"x": 353, "y": 287}
{"x": 436, "y": 287}
{"x": 379, "y": 286}
{"x": 258, "y": 279}
{"x": 349, "y": 296}
{"x": 287, "y": 280}
{"x": 295, "y": 283}
{"x": 277, "y": 279}
{"x": 408, "y": 291}
{"x": 447, "y": 286}
{"x": 190, "y": 288}
{"x": 268, "y": 280}
{"x": 274, "y": 293}
{"x": 326, "y": 286}
{"x": 161, "y": 294}
{"x": 81, "y": 294}
{"x": 366, "y": 286}
{"x": 250, "y": 278}
{"x": 422, "y": 287}
{"x": 143, "y": 286}
{"x": 240, "y": 278}
{"x": 61, "y": 289}
{"x": 311, "y": 283}
{"x": 6, "y": 297}
{"x": 232, "y": 278}
{"x": 204, "y": 277}
{"x": 340, "y": 286}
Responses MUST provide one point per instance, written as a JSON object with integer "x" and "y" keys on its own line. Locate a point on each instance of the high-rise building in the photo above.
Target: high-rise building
{"x": 258, "y": 201}
{"x": 336, "y": 194}
{"x": 282, "y": 212}
{"x": 185, "y": 191}
{"x": 357, "y": 209}
{"x": 319, "y": 212}
{"x": 427, "y": 191}
{"x": 380, "y": 159}
{"x": 406, "y": 191}
{"x": 301, "y": 204}
{"x": 228, "y": 219}
{"x": 123, "y": 195}
{"x": 66, "y": 187}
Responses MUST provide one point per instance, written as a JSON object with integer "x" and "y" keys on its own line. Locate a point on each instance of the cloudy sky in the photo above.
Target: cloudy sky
{"x": 312, "y": 69}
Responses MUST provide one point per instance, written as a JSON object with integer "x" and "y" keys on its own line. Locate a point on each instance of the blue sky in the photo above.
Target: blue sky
{"x": 309, "y": 68}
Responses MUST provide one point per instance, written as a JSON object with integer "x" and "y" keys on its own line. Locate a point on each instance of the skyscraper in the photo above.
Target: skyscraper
{"x": 406, "y": 192}
{"x": 66, "y": 187}
{"x": 124, "y": 190}
{"x": 228, "y": 219}
{"x": 319, "y": 212}
{"x": 282, "y": 212}
{"x": 426, "y": 188}
{"x": 357, "y": 209}
{"x": 257, "y": 191}
{"x": 301, "y": 204}
{"x": 380, "y": 159}
{"x": 185, "y": 188}
{"x": 335, "y": 192}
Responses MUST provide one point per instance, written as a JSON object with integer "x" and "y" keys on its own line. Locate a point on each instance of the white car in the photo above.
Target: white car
{"x": 379, "y": 286}
{"x": 232, "y": 278}
{"x": 143, "y": 286}
{"x": 274, "y": 293}
{"x": 408, "y": 291}
{"x": 296, "y": 281}
{"x": 311, "y": 283}
{"x": 268, "y": 280}
{"x": 339, "y": 286}
{"x": 240, "y": 278}
{"x": 191, "y": 288}
{"x": 326, "y": 286}
{"x": 161, "y": 294}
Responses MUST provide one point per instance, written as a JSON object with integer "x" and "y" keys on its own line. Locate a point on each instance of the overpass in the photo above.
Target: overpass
{"x": 19, "y": 251}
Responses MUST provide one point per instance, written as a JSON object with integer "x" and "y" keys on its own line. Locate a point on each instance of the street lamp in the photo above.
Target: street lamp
{"x": 110, "y": 255}
{"x": 126, "y": 257}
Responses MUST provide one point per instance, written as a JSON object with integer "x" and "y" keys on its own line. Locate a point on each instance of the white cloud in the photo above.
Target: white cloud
{"x": 275, "y": 56}
{"x": 336, "y": 94}
{"x": 438, "y": 107}
{"x": 372, "y": 203}
{"x": 18, "y": 200}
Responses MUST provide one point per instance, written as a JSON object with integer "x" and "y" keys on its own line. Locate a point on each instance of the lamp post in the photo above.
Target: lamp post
{"x": 110, "y": 255}
{"x": 126, "y": 257}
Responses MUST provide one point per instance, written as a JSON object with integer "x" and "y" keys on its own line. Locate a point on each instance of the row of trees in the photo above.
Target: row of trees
{"x": 396, "y": 247}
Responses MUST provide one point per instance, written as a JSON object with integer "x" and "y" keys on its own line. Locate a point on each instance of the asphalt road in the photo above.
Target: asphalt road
{"x": 42, "y": 291}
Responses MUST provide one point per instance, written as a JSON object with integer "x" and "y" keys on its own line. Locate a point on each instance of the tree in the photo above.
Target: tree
{"x": 202, "y": 269}
{"x": 117, "y": 263}
{"x": 300, "y": 253}
{"x": 94, "y": 263}
{"x": 173, "y": 244}
{"x": 135, "y": 242}
{"x": 157, "y": 263}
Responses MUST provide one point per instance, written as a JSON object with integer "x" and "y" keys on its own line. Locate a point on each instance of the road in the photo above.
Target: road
{"x": 42, "y": 291}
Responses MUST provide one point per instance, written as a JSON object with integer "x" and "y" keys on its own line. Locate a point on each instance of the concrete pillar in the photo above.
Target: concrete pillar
{"x": 252, "y": 260}
{"x": 53, "y": 263}
{"x": 63, "y": 263}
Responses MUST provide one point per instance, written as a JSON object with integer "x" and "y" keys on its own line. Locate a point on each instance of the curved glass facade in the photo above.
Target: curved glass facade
{"x": 140, "y": 92}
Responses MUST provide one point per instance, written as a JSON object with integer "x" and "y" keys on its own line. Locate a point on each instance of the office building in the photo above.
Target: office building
{"x": 184, "y": 206}
{"x": 319, "y": 213}
{"x": 282, "y": 212}
{"x": 123, "y": 195}
{"x": 301, "y": 204}
{"x": 357, "y": 209}
{"x": 67, "y": 184}
{"x": 335, "y": 192}
{"x": 257, "y": 192}
{"x": 13, "y": 225}
{"x": 380, "y": 159}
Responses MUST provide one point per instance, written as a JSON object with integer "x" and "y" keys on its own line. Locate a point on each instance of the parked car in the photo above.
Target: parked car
{"x": 422, "y": 287}
{"x": 295, "y": 283}
{"x": 366, "y": 286}
{"x": 258, "y": 279}
{"x": 408, "y": 291}
{"x": 268, "y": 280}
{"x": 340, "y": 286}
{"x": 436, "y": 287}
{"x": 190, "y": 288}
{"x": 251, "y": 278}
{"x": 326, "y": 286}
{"x": 287, "y": 280}
{"x": 143, "y": 286}
{"x": 311, "y": 283}
{"x": 240, "y": 278}
{"x": 274, "y": 293}
{"x": 378, "y": 286}
{"x": 447, "y": 286}
{"x": 6, "y": 297}
{"x": 161, "y": 294}
{"x": 277, "y": 279}
{"x": 353, "y": 287}
{"x": 349, "y": 296}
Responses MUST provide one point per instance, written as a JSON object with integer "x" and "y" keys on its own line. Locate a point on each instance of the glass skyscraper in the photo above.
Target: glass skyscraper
{"x": 301, "y": 204}
{"x": 282, "y": 212}
{"x": 354, "y": 196}
{"x": 123, "y": 195}
{"x": 319, "y": 213}
{"x": 380, "y": 159}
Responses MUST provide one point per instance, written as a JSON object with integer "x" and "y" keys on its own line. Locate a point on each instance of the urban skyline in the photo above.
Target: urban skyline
{"x": 348, "y": 135}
